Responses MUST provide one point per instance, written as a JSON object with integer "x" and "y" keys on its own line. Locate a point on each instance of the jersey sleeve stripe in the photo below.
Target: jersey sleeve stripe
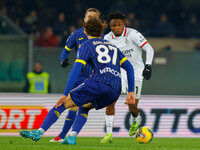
{"x": 81, "y": 61}
{"x": 122, "y": 60}
{"x": 143, "y": 44}
{"x": 67, "y": 48}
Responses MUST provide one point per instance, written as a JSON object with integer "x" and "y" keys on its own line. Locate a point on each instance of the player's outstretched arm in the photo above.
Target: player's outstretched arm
{"x": 131, "y": 82}
{"x": 130, "y": 75}
{"x": 73, "y": 77}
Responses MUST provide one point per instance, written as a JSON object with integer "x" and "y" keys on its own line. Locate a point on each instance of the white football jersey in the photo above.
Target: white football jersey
{"x": 130, "y": 44}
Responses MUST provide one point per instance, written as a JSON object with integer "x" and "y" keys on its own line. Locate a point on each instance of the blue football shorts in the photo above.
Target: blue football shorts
{"x": 97, "y": 93}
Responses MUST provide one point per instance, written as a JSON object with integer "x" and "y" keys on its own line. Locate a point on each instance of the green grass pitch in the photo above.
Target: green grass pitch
{"x": 92, "y": 143}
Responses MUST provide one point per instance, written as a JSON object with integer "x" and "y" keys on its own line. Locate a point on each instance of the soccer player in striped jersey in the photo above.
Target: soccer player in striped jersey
{"x": 101, "y": 89}
{"x": 74, "y": 41}
{"x": 131, "y": 43}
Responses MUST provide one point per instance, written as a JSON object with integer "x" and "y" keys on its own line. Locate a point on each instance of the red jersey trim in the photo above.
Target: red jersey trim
{"x": 124, "y": 32}
{"x": 143, "y": 44}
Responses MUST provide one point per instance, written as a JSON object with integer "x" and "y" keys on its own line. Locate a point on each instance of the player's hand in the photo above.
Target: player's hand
{"x": 64, "y": 63}
{"x": 130, "y": 98}
{"x": 147, "y": 72}
{"x": 62, "y": 100}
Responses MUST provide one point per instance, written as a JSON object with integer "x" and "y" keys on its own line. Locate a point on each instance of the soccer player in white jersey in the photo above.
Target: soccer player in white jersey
{"x": 131, "y": 43}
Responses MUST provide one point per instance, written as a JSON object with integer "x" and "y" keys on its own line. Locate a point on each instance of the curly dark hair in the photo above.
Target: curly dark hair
{"x": 116, "y": 15}
{"x": 95, "y": 27}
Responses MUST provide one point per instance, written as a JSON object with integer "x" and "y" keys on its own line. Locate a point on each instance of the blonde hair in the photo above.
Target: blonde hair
{"x": 93, "y": 10}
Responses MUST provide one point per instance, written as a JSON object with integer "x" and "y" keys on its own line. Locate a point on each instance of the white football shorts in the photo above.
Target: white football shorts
{"x": 138, "y": 85}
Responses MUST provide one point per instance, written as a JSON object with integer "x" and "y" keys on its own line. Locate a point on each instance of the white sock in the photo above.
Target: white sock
{"x": 73, "y": 133}
{"x": 135, "y": 119}
{"x": 41, "y": 130}
{"x": 109, "y": 123}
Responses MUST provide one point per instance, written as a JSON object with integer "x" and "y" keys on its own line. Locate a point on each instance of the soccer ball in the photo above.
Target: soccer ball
{"x": 144, "y": 135}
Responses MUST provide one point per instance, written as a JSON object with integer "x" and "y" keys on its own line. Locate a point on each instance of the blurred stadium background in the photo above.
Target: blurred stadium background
{"x": 172, "y": 27}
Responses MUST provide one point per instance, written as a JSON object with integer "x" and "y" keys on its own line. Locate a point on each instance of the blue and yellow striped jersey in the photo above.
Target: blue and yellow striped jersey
{"x": 105, "y": 60}
{"x": 74, "y": 41}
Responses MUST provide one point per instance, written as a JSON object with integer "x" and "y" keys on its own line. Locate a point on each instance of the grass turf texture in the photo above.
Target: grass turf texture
{"x": 89, "y": 143}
